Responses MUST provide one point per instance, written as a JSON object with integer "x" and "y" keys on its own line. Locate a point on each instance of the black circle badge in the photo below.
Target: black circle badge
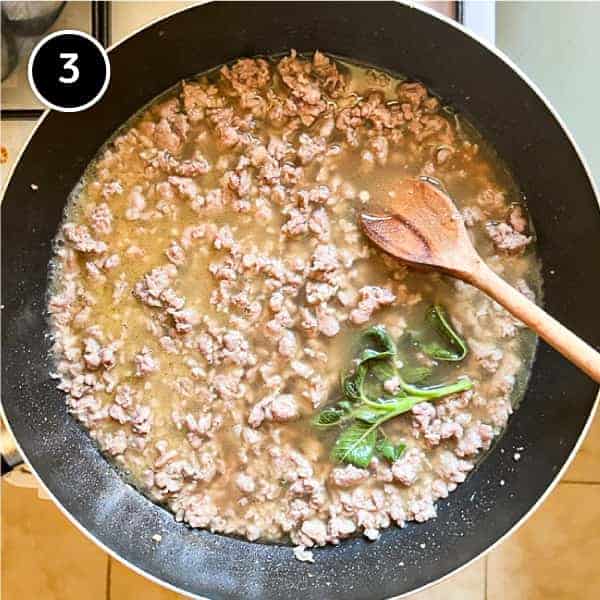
{"x": 69, "y": 70}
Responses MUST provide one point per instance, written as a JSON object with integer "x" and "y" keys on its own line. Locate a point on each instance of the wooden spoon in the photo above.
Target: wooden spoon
{"x": 421, "y": 226}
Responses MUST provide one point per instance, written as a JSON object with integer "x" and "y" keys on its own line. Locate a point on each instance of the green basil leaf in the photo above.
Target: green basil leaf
{"x": 457, "y": 348}
{"x": 367, "y": 405}
{"x": 376, "y": 343}
{"x": 377, "y": 347}
{"x": 356, "y": 445}
{"x": 345, "y": 406}
{"x": 371, "y": 414}
{"x": 382, "y": 369}
{"x": 415, "y": 374}
{"x": 369, "y": 354}
{"x": 350, "y": 389}
{"x": 372, "y": 387}
{"x": 438, "y": 352}
{"x": 388, "y": 450}
{"x": 352, "y": 386}
{"x": 328, "y": 417}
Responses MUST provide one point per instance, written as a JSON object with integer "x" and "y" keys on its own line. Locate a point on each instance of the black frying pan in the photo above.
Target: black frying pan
{"x": 559, "y": 400}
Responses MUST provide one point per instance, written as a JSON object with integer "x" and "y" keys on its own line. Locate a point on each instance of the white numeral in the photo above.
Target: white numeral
{"x": 70, "y": 57}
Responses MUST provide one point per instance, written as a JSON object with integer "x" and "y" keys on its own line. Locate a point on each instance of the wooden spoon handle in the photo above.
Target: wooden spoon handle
{"x": 562, "y": 339}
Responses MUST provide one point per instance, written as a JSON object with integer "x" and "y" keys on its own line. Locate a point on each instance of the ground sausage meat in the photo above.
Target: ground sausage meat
{"x": 211, "y": 281}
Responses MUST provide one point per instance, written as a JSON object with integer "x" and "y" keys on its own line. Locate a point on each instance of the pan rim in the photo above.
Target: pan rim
{"x": 585, "y": 430}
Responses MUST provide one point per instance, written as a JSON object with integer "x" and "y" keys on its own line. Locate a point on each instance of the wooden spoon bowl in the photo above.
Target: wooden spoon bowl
{"x": 419, "y": 224}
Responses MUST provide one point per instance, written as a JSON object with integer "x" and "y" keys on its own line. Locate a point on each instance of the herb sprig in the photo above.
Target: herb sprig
{"x": 449, "y": 346}
{"x": 366, "y": 405}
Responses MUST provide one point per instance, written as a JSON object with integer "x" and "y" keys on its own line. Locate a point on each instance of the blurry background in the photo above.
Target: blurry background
{"x": 556, "y": 554}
